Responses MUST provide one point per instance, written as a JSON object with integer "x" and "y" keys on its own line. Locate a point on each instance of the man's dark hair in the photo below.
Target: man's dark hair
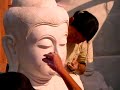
{"x": 85, "y": 23}
{"x": 14, "y": 81}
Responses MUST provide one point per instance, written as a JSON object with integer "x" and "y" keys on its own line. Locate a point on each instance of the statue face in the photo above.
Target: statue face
{"x": 33, "y": 34}
{"x": 42, "y": 40}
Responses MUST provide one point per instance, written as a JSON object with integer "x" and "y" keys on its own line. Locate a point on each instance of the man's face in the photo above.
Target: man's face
{"x": 74, "y": 36}
{"x": 42, "y": 40}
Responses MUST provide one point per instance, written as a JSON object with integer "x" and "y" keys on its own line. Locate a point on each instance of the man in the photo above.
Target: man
{"x": 83, "y": 26}
{"x": 14, "y": 81}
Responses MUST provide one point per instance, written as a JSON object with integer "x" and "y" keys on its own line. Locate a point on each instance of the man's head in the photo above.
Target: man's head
{"x": 83, "y": 26}
{"x": 14, "y": 81}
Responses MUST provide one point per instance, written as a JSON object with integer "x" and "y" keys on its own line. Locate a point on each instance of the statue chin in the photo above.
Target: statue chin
{"x": 49, "y": 73}
{"x": 52, "y": 72}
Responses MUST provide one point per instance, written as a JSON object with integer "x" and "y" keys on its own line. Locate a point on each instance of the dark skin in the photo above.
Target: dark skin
{"x": 75, "y": 66}
{"x": 75, "y": 37}
{"x": 54, "y": 61}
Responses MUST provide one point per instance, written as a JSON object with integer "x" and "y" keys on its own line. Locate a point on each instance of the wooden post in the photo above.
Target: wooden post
{"x": 4, "y": 4}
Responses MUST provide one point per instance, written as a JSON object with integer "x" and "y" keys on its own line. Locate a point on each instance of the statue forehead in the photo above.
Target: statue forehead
{"x": 26, "y": 2}
{"x": 32, "y": 17}
{"x": 44, "y": 31}
{"x": 24, "y": 15}
{"x": 36, "y": 3}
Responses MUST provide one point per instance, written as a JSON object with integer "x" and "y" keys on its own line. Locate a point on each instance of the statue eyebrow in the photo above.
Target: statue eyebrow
{"x": 44, "y": 23}
{"x": 47, "y": 36}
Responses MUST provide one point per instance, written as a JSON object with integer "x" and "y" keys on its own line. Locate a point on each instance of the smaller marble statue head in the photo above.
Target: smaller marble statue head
{"x": 31, "y": 32}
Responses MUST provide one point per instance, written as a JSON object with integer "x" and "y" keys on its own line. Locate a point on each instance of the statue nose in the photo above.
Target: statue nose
{"x": 56, "y": 49}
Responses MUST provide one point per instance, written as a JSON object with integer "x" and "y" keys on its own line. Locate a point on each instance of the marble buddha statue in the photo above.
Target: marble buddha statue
{"x": 34, "y": 28}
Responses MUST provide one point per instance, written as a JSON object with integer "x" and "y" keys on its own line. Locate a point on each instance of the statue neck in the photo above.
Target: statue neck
{"x": 37, "y": 79}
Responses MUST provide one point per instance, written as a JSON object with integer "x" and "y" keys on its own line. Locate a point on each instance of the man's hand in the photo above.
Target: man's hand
{"x": 77, "y": 67}
{"x": 73, "y": 66}
{"x": 81, "y": 68}
{"x": 54, "y": 61}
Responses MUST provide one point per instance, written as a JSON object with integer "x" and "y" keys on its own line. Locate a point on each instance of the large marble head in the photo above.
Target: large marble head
{"x": 32, "y": 30}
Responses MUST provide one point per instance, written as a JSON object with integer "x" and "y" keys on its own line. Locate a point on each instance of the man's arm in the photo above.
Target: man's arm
{"x": 54, "y": 61}
{"x": 79, "y": 64}
{"x": 71, "y": 84}
{"x": 82, "y": 58}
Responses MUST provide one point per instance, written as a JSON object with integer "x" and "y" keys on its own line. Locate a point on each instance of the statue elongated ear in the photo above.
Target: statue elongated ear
{"x": 9, "y": 48}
